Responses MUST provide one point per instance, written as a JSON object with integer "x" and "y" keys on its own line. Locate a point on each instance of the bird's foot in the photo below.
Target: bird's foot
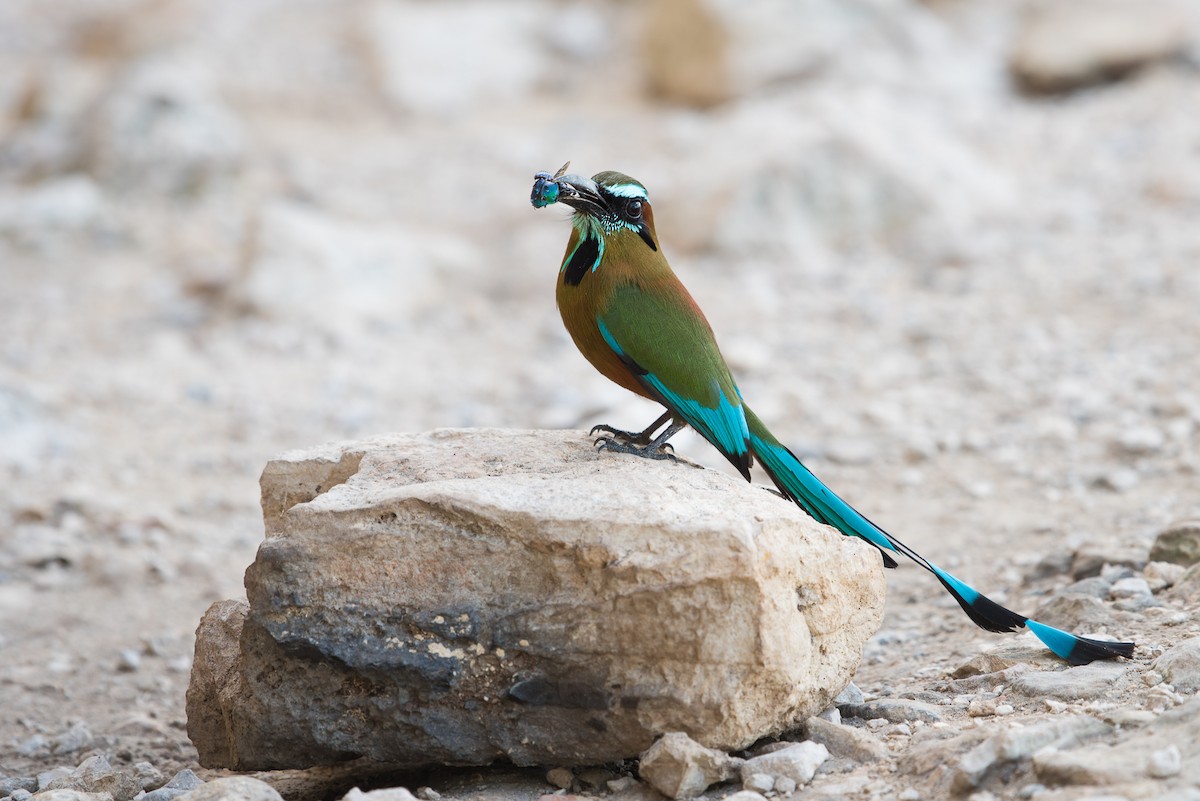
{"x": 624, "y": 437}
{"x": 646, "y": 450}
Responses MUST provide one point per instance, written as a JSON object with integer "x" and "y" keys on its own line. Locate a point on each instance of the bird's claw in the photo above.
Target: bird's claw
{"x": 614, "y": 445}
{"x": 627, "y": 437}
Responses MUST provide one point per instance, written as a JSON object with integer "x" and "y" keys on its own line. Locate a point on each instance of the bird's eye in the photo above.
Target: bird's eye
{"x": 633, "y": 209}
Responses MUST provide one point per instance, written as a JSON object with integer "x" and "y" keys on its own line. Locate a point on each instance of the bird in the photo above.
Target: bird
{"x": 635, "y": 322}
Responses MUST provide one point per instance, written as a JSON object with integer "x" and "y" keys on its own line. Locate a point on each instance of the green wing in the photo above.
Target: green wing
{"x": 666, "y": 342}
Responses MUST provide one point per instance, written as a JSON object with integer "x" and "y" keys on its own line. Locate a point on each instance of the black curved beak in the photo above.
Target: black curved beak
{"x": 580, "y": 193}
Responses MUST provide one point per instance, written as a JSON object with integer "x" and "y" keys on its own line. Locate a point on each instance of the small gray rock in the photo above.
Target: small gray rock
{"x": 96, "y": 775}
{"x": 77, "y": 738}
{"x": 1180, "y": 664}
{"x": 679, "y": 767}
{"x": 1085, "y": 681}
{"x": 1165, "y": 763}
{"x": 181, "y": 783}
{"x": 759, "y": 783}
{"x": 129, "y": 660}
{"x": 148, "y": 776}
{"x": 20, "y": 795}
{"x": 798, "y": 762}
{"x": 893, "y": 710}
{"x": 13, "y": 783}
{"x": 239, "y": 788}
{"x": 1178, "y": 543}
{"x": 622, "y": 784}
{"x": 54, "y": 774}
{"x": 1021, "y": 742}
{"x": 845, "y": 742}
{"x": 1161, "y": 575}
{"x": 850, "y": 694}
{"x": 1131, "y": 587}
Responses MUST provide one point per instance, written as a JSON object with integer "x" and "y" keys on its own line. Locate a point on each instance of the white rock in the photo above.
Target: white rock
{"x": 759, "y": 782}
{"x": 233, "y": 788}
{"x": 382, "y": 794}
{"x": 1130, "y": 587}
{"x": 1164, "y": 763}
{"x": 797, "y": 762}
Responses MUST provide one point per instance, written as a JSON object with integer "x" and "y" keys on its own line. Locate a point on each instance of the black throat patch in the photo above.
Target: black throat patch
{"x": 582, "y": 261}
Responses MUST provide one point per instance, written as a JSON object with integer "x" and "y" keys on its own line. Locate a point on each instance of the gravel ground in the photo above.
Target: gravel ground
{"x": 228, "y": 230}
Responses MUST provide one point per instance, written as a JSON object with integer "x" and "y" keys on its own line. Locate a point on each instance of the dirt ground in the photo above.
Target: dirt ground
{"x": 228, "y": 230}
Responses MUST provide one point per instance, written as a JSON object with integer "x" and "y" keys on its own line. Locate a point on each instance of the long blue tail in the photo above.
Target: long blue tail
{"x": 798, "y": 483}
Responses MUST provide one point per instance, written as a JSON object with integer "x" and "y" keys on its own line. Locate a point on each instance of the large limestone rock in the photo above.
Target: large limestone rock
{"x": 462, "y": 596}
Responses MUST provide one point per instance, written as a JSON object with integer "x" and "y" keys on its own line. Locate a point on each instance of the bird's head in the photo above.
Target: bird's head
{"x": 607, "y": 204}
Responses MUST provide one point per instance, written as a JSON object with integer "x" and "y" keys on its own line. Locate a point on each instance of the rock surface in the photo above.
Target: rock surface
{"x": 1068, "y": 44}
{"x": 500, "y": 594}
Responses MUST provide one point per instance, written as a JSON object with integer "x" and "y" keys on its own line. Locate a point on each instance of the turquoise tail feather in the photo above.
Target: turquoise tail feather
{"x": 799, "y": 484}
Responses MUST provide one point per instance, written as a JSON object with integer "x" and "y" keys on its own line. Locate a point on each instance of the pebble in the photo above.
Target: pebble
{"x": 1130, "y": 588}
{"x": 240, "y": 788}
{"x": 1020, "y": 742}
{"x": 893, "y": 710}
{"x": 798, "y": 762}
{"x": 845, "y": 742}
{"x": 1139, "y": 441}
{"x": 759, "y": 782}
{"x": 1180, "y": 665}
{"x": 1120, "y": 479}
{"x": 1085, "y": 681}
{"x": 785, "y": 785}
{"x": 594, "y": 778}
{"x": 430, "y": 794}
{"x": 96, "y": 775}
{"x": 850, "y": 694}
{"x": 383, "y": 794}
{"x": 54, "y": 774}
{"x": 1164, "y": 763}
{"x": 622, "y": 784}
{"x": 148, "y": 776}
{"x": 182, "y": 782}
{"x": 11, "y": 784}
{"x": 20, "y": 795}
{"x": 561, "y": 778}
{"x": 679, "y": 767}
{"x": 1161, "y": 575}
{"x": 129, "y": 661}
{"x": 77, "y": 738}
{"x": 909, "y": 795}
{"x": 1067, "y": 46}
{"x": 1178, "y": 543}
{"x": 1132, "y": 594}
{"x": 981, "y": 708}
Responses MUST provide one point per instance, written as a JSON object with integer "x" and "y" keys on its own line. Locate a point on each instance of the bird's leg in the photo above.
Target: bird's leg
{"x": 628, "y": 437}
{"x": 651, "y": 450}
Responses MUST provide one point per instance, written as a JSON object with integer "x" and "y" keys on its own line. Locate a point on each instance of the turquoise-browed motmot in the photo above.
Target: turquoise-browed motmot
{"x": 636, "y": 323}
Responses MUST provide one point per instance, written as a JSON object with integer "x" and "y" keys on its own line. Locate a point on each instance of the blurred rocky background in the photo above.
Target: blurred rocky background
{"x": 949, "y": 248}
